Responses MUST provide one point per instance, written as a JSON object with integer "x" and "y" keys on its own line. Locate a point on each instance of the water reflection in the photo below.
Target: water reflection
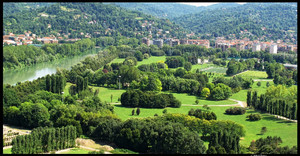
{"x": 39, "y": 70}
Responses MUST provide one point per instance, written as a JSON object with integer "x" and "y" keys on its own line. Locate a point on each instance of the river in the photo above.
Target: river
{"x": 42, "y": 69}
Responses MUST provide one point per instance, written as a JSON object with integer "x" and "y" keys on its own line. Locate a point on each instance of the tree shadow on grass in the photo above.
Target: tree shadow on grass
{"x": 251, "y": 120}
{"x": 286, "y": 121}
{"x": 251, "y": 111}
{"x": 259, "y": 134}
{"x": 119, "y": 105}
{"x": 270, "y": 118}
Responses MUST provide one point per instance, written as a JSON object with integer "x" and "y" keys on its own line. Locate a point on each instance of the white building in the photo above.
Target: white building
{"x": 273, "y": 49}
{"x": 263, "y": 46}
{"x": 255, "y": 47}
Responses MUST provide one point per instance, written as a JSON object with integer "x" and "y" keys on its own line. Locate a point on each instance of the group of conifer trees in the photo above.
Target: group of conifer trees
{"x": 44, "y": 139}
{"x": 223, "y": 142}
{"x": 277, "y": 107}
{"x": 55, "y": 83}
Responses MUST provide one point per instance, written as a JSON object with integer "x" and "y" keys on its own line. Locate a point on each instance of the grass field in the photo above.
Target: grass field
{"x": 105, "y": 95}
{"x": 200, "y": 66}
{"x": 255, "y": 74}
{"x": 217, "y": 70}
{"x": 151, "y": 59}
{"x": 7, "y": 151}
{"x": 242, "y": 95}
{"x": 76, "y": 151}
{"x": 275, "y": 127}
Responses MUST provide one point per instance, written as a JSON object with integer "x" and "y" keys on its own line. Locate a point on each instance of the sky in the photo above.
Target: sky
{"x": 203, "y": 4}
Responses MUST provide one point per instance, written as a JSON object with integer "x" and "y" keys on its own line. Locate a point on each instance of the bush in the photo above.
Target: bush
{"x": 236, "y": 111}
{"x": 258, "y": 84}
{"x": 254, "y": 117}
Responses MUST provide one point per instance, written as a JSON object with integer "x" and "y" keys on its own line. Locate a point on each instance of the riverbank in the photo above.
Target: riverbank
{"x": 33, "y": 72}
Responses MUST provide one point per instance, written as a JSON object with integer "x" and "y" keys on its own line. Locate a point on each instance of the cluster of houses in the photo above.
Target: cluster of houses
{"x": 25, "y": 39}
{"x": 256, "y": 45}
{"x": 174, "y": 42}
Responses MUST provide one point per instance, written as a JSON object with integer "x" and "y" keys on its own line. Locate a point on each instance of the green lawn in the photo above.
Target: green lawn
{"x": 7, "y": 151}
{"x": 117, "y": 60}
{"x": 151, "y": 59}
{"x": 255, "y": 74}
{"x": 201, "y": 66}
{"x": 242, "y": 95}
{"x": 185, "y": 98}
{"x": 217, "y": 70}
{"x": 76, "y": 151}
{"x": 275, "y": 127}
{"x": 105, "y": 95}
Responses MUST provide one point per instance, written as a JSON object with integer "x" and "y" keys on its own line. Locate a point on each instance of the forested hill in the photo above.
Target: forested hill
{"x": 171, "y": 10}
{"x": 96, "y": 19}
{"x": 11, "y": 8}
{"x": 161, "y": 10}
{"x": 276, "y": 18}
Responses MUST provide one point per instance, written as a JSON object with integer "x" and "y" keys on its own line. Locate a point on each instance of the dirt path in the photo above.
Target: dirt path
{"x": 241, "y": 103}
{"x": 7, "y": 147}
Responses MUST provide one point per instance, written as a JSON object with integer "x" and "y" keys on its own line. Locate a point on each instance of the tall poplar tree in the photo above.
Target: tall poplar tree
{"x": 249, "y": 102}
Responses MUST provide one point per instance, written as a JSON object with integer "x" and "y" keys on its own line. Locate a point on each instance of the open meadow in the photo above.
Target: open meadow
{"x": 254, "y": 74}
{"x": 275, "y": 127}
{"x": 7, "y": 151}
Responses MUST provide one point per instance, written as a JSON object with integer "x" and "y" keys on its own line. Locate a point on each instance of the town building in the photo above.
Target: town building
{"x": 146, "y": 41}
{"x": 273, "y": 49}
{"x": 255, "y": 47}
{"x": 158, "y": 42}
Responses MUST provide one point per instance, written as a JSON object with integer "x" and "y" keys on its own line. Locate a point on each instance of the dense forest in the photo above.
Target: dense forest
{"x": 251, "y": 17}
{"x": 96, "y": 19}
{"x": 11, "y": 8}
{"x": 171, "y": 10}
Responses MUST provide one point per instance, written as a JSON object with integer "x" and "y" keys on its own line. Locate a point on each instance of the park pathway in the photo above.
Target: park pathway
{"x": 7, "y": 147}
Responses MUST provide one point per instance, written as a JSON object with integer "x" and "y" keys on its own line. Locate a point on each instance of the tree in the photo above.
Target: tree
{"x": 249, "y": 101}
{"x": 258, "y": 84}
{"x": 138, "y": 111}
{"x": 139, "y": 56}
{"x": 154, "y": 84}
{"x": 263, "y": 130}
{"x": 165, "y": 111}
{"x": 211, "y": 150}
{"x": 132, "y": 113}
{"x": 188, "y": 66}
{"x": 197, "y": 102}
{"x": 268, "y": 84}
{"x": 205, "y": 92}
{"x": 254, "y": 100}
{"x": 111, "y": 97}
